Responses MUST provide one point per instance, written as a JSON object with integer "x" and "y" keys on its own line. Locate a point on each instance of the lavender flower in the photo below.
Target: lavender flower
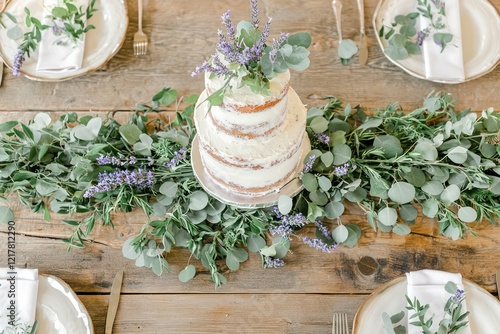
{"x": 58, "y": 28}
{"x": 229, "y": 26}
{"x": 140, "y": 179}
{"x": 19, "y": 59}
{"x": 287, "y": 223}
{"x": 261, "y": 43}
{"x": 458, "y": 297}
{"x": 151, "y": 161}
{"x": 273, "y": 263}
{"x": 308, "y": 165}
{"x": 255, "y": 13}
{"x": 178, "y": 156}
{"x": 323, "y": 138}
{"x": 112, "y": 160}
{"x": 319, "y": 244}
{"x": 341, "y": 170}
{"x": 323, "y": 229}
{"x": 276, "y": 46}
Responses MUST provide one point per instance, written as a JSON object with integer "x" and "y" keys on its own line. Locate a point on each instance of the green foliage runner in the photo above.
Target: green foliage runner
{"x": 390, "y": 164}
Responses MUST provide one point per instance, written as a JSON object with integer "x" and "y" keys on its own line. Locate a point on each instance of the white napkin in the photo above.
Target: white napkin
{"x": 26, "y": 291}
{"x": 428, "y": 287}
{"x": 53, "y": 57}
{"x": 447, "y": 65}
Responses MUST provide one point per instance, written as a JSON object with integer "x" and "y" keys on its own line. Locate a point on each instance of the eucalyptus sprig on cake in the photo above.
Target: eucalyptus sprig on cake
{"x": 243, "y": 54}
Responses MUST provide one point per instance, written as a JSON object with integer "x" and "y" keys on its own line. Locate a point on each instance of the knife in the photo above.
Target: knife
{"x": 498, "y": 283}
{"x": 363, "y": 46}
{"x": 114, "y": 299}
{"x": 1, "y": 72}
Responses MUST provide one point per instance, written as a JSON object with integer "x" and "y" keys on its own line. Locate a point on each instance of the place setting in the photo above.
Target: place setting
{"x": 57, "y": 53}
{"x": 39, "y": 303}
{"x": 444, "y": 299}
{"x": 441, "y": 41}
{"x": 34, "y": 303}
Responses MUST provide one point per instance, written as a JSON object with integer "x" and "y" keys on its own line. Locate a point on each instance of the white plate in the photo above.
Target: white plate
{"x": 243, "y": 201}
{"x": 480, "y": 36}
{"x": 58, "y": 309}
{"x": 101, "y": 43}
{"x": 484, "y": 317}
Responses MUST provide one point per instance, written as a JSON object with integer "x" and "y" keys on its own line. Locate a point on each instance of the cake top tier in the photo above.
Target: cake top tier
{"x": 243, "y": 98}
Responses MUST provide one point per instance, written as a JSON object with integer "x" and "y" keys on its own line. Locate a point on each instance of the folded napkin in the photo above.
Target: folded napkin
{"x": 447, "y": 65}
{"x": 24, "y": 296}
{"x": 54, "y": 56}
{"x": 428, "y": 287}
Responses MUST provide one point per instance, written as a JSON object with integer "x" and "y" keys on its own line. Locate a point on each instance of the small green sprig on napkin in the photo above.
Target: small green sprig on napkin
{"x": 453, "y": 321}
{"x": 67, "y": 21}
{"x": 20, "y": 328}
{"x": 403, "y": 37}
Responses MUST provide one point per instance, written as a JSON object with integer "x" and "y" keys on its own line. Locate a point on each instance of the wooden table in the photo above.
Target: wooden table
{"x": 299, "y": 298}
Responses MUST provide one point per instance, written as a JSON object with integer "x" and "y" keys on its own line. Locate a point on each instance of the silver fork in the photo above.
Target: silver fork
{"x": 140, "y": 38}
{"x": 340, "y": 324}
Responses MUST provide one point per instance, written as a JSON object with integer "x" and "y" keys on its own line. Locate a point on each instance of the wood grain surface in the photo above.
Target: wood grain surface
{"x": 298, "y": 298}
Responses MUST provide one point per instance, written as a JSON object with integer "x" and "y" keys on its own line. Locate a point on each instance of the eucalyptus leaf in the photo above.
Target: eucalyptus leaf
{"x": 169, "y": 189}
{"x": 128, "y": 250}
{"x": 402, "y": 192}
{"x": 334, "y": 210}
{"x": 310, "y": 182}
{"x": 256, "y": 243}
{"x": 187, "y": 273}
{"x": 285, "y": 204}
{"x": 408, "y": 213}
{"x": 426, "y": 149}
{"x": 319, "y": 124}
{"x": 347, "y": 49}
{"x": 433, "y": 188}
{"x": 327, "y": 158}
{"x": 467, "y": 214}
{"x": 458, "y": 154}
{"x": 340, "y": 234}
{"x": 388, "y": 216}
{"x": 198, "y": 200}
{"x": 6, "y": 215}
{"x": 450, "y": 194}
{"x": 401, "y": 229}
{"x": 342, "y": 154}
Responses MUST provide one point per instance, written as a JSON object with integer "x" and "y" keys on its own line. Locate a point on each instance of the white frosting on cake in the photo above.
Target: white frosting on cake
{"x": 262, "y": 162}
{"x": 266, "y": 122}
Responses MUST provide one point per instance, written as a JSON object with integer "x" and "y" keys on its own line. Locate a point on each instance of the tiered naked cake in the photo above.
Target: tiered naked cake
{"x": 252, "y": 143}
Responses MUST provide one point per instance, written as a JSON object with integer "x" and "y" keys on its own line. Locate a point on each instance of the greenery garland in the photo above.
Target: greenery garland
{"x": 444, "y": 161}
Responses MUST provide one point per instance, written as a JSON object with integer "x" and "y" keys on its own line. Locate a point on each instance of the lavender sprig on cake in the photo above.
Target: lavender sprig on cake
{"x": 243, "y": 54}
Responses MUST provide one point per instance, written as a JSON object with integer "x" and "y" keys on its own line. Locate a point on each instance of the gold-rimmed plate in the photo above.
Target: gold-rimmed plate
{"x": 484, "y": 309}
{"x": 480, "y": 22}
{"x": 101, "y": 43}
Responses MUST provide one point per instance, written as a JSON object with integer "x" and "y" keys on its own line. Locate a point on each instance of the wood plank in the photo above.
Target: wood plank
{"x": 307, "y": 270}
{"x": 183, "y": 34}
{"x": 230, "y": 313}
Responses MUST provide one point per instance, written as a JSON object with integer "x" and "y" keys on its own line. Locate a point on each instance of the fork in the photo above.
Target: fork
{"x": 140, "y": 38}
{"x": 340, "y": 324}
